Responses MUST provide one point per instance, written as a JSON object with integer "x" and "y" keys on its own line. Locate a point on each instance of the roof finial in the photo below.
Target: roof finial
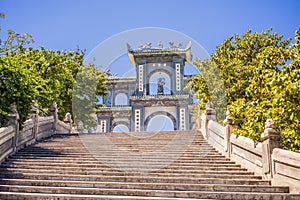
{"x": 160, "y": 45}
{"x": 188, "y": 45}
{"x": 172, "y": 46}
{"x": 148, "y": 45}
{"x": 128, "y": 47}
{"x": 179, "y": 45}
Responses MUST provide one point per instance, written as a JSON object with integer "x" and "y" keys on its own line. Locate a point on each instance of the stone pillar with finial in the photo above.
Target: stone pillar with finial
{"x": 68, "y": 120}
{"x": 210, "y": 114}
{"x": 210, "y": 111}
{"x": 14, "y": 122}
{"x": 228, "y": 122}
{"x": 35, "y": 119}
{"x": 52, "y": 111}
{"x": 80, "y": 127}
{"x": 271, "y": 140}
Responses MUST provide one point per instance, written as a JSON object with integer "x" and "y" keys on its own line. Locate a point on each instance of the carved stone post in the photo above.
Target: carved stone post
{"x": 210, "y": 111}
{"x": 35, "y": 119}
{"x": 80, "y": 127}
{"x": 14, "y": 122}
{"x": 228, "y": 130}
{"x": 68, "y": 120}
{"x": 210, "y": 114}
{"x": 53, "y": 112}
{"x": 271, "y": 140}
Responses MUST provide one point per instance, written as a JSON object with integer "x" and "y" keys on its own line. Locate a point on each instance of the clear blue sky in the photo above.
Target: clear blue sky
{"x": 66, "y": 24}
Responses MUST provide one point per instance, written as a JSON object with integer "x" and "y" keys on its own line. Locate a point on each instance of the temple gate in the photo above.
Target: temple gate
{"x": 156, "y": 90}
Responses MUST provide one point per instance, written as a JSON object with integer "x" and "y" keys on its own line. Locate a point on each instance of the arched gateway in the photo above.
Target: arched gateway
{"x": 157, "y": 89}
{"x": 161, "y": 123}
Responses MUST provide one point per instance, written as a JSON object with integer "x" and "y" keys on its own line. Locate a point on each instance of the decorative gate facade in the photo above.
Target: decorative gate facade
{"x": 157, "y": 89}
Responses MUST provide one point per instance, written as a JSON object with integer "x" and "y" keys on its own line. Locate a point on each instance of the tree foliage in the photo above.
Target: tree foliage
{"x": 261, "y": 76}
{"x": 16, "y": 85}
{"x": 209, "y": 86}
{"x": 89, "y": 84}
{"x": 14, "y": 42}
{"x": 38, "y": 74}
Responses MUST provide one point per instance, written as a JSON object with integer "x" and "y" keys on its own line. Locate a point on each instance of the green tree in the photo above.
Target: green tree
{"x": 42, "y": 75}
{"x": 239, "y": 60}
{"x": 17, "y": 83}
{"x": 261, "y": 75}
{"x": 16, "y": 86}
{"x": 58, "y": 70}
{"x": 208, "y": 86}
{"x": 54, "y": 73}
{"x": 286, "y": 90}
{"x": 89, "y": 84}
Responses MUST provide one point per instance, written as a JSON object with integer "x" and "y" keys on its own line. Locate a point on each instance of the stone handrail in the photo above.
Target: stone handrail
{"x": 6, "y": 141}
{"x": 26, "y": 135}
{"x": 36, "y": 128}
{"x": 286, "y": 166}
{"x": 280, "y": 166}
{"x": 62, "y": 127}
{"x": 46, "y": 127}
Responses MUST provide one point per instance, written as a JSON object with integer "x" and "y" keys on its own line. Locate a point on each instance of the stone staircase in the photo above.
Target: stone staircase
{"x": 164, "y": 165}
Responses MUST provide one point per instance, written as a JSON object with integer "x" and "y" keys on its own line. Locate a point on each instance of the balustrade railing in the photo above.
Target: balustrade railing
{"x": 266, "y": 158}
{"x": 35, "y": 128}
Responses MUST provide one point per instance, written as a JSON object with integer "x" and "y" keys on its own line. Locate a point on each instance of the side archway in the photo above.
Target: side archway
{"x": 120, "y": 126}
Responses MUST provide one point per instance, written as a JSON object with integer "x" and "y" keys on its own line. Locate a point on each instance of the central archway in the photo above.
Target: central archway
{"x": 160, "y": 121}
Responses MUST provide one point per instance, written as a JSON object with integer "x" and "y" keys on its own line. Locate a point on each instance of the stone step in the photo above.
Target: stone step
{"x": 190, "y": 148}
{"x": 222, "y": 174}
{"x": 139, "y": 192}
{"x": 115, "y": 139}
{"x": 119, "y": 140}
{"x": 82, "y": 144}
{"x": 47, "y": 196}
{"x": 139, "y": 167}
{"x": 120, "y": 165}
{"x": 207, "y": 179}
{"x": 224, "y": 196}
{"x": 120, "y": 155}
{"x": 121, "y": 152}
{"x": 153, "y": 186}
{"x": 88, "y": 149}
{"x": 182, "y": 158}
{"x": 86, "y": 152}
{"x": 106, "y": 152}
{"x": 128, "y": 160}
{"x": 236, "y": 170}
{"x": 155, "y": 144}
{"x": 152, "y": 164}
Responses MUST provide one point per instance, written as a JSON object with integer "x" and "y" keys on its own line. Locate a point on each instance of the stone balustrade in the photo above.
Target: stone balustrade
{"x": 36, "y": 128}
{"x": 266, "y": 158}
